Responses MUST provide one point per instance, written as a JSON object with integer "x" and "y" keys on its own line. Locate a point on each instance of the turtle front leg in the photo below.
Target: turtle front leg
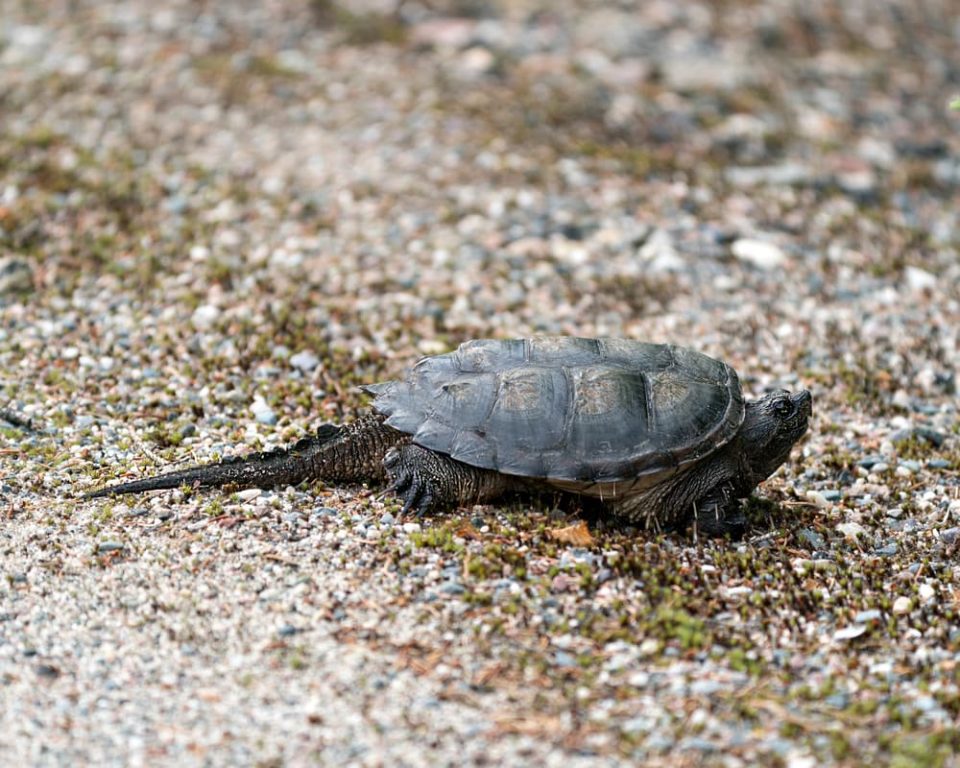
{"x": 426, "y": 480}
{"x": 720, "y": 513}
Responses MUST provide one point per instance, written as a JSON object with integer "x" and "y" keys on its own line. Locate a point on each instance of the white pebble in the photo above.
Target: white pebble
{"x": 305, "y": 361}
{"x": 263, "y": 412}
{"x": 851, "y": 530}
{"x": 848, "y": 633}
{"x": 204, "y": 316}
{"x": 919, "y": 279}
{"x": 819, "y": 499}
{"x": 901, "y": 605}
{"x": 759, "y": 253}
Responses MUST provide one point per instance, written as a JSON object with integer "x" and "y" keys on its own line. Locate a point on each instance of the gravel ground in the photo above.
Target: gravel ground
{"x": 217, "y": 218}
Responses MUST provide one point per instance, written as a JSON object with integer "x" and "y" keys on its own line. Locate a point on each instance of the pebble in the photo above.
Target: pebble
{"x": 788, "y": 174}
{"x": 705, "y": 687}
{"x": 863, "y": 617}
{"x": 950, "y": 535}
{"x": 105, "y": 547}
{"x": 812, "y": 539}
{"x": 849, "y": 633}
{"x": 249, "y": 494}
{"x": 852, "y": 530}
{"x": 902, "y": 605}
{"x": 919, "y": 279}
{"x": 204, "y": 317}
{"x": 306, "y": 361}
{"x": 262, "y": 412}
{"x": 759, "y": 253}
{"x": 16, "y": 276}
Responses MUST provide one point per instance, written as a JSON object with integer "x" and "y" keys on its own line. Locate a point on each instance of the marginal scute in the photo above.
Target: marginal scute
{"x": 577, "y": 412}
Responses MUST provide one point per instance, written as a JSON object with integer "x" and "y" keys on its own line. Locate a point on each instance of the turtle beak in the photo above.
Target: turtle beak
{"x": 803, "y": 400}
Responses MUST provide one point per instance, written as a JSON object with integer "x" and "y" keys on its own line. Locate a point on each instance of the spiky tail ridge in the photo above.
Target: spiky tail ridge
{"x": 351, "y": 453}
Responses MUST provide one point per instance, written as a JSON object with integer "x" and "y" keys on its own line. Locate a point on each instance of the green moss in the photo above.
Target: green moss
{"x": 441, "y": 538}
{"x": 366, "y": 28}
{"x": 932, "y": 750}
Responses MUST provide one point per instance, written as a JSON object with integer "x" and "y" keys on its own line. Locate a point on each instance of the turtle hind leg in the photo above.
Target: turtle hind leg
{"x": 426, "y": 480}
{"x": 720, "y": 513}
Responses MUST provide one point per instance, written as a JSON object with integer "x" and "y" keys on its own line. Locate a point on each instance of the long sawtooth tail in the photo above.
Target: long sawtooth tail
{"x": 283, "y": 466}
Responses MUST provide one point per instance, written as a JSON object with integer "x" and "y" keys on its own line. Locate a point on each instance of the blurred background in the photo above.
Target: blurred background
{"x": 771, "y": 180}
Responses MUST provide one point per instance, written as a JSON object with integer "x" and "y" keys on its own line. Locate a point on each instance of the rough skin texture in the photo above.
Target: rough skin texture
{"x": 368, "y": 450}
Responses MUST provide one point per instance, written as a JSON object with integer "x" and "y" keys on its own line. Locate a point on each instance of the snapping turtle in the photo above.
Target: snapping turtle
{"x": 660, "y": 434}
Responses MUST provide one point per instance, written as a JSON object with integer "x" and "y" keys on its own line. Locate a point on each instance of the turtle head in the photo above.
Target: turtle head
{"x": 771, "y": 427}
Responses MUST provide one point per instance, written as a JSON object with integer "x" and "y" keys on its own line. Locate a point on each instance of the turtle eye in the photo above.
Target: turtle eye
{"x": 783, "y": 406}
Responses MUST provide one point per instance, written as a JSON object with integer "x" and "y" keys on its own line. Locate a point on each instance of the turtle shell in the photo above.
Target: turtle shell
{"x": 575, "y": 410}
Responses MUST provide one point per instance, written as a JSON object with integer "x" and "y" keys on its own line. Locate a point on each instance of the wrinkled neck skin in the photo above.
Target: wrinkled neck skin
{"x": 765, "y": 443}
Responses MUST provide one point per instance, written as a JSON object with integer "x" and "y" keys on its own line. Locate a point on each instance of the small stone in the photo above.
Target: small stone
{"x": 411, "y": 527}
{"x": 926, "y": 593}
{"x": 204, "y": 317}
{"x": 759, "y": 253}
{"x": 305, "y": 361}
{"x": 887, "y": 551}
{"x": 849, "y": 633}
{"x": 477, "y": 60}
{"x": 288, "y": 630}
{"x": 453, "y": 588}
{"x": 812, "y": 539}
{"x": 919, "y": 279}
{"x": 863, "y": 617}
{"x": 387, "y": 519}
{"x": 880, "y": 466}
{"x": 949, "y": 535}
{"x": 788, "y": 174}
{"x": 262, "y": 412}
{"x": 705, "y": 687}
{"x": 16, "y": 276}
{"x": 105, "y": 547}
{"x": 902, "y": 605}
{"x": 851, "y": 530}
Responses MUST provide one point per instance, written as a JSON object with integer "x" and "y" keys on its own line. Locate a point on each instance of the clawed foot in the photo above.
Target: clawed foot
{"x": 720, "y": 514}
{"x": 733, "y": 525}
{"x": 407, "y": 469}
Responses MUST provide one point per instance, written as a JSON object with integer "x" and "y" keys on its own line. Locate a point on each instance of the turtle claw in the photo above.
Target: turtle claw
{"x": 408, "y": 482}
